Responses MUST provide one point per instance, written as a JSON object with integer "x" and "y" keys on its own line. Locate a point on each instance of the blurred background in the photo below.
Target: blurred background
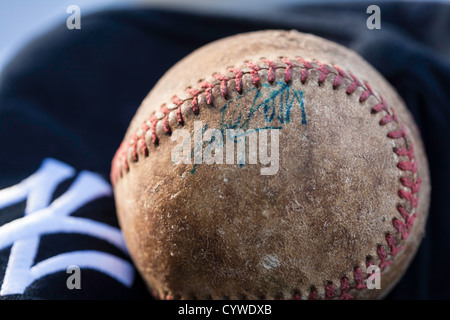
{"x": 23, "y": 20}
{"x": 51, "y": 77}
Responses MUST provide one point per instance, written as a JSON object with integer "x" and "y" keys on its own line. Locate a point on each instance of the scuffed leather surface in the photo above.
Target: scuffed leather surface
{"x": 220, "y": 232}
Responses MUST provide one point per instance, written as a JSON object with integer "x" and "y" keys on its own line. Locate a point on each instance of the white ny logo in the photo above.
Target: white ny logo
{"x": 42, "y": 217}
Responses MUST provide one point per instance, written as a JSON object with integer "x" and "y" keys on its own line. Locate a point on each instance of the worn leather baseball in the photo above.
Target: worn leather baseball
{"x": 351, "y": 190}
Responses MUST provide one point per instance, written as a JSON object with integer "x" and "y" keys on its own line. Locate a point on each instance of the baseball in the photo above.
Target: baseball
{"x": 272, "y": 165}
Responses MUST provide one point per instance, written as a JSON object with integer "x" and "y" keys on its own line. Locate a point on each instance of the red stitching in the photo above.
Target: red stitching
{"x": 122, "y": 155}
{"x": 134, "y": 140}
{"x": 153, "y": 122}
{"x": 408, "y": 196}
{"x": 324, "y": 70}
{"x": 341, "y": 72}
{"x": 365, "y": 95}
{"x": 383, "y": 257}
{"x": 414, "y": 186}
{"x": 359, "y": 279}
{"x": 271, "y": 71}
{"x": 338, "y": 78}
{"x": 409, "y": 220}
{"x": 254, "y": 73}
{"x": 305, "y": 63}
{"x": 408, "y": 166}
{"x": 345, "y": 286}
{"x": 288, "y": 70}
{"x": 379, "y": 107}
{"x": 178, "y": 102}
{"x": 368, "y": 87}
{"x": 406, "y": 152}
{"x": 223, "y": 84}
{"x": 355, "y": 84}
{"x": 237, "y": 78}
{"x": 388, "y": 118}
{"x": 329, "y": 291}
{"x": 166, "y": 126}
{"x": 404, "y": 227}
{"x": 397, "y": 134}
{"x": 208, "y": 92}
{"x": 401, "y": 228}
{"x": 306, "y": 66}
{"x": 116, "y": 170}
{"x": 337, "y": 81}
{"x": 194, "y": 93}
{"x": 144, "y": 149}
{"x": 393, "y": 245}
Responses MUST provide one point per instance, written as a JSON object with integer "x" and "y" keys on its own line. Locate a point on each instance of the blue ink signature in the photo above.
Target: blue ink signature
{"x": 276, "y": 108}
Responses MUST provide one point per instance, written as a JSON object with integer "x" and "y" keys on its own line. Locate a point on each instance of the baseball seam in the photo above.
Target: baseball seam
{"x": 130, "y": 149}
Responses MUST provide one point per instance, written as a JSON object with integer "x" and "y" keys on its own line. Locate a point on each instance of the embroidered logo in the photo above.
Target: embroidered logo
{"x": 43, "y": 216}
